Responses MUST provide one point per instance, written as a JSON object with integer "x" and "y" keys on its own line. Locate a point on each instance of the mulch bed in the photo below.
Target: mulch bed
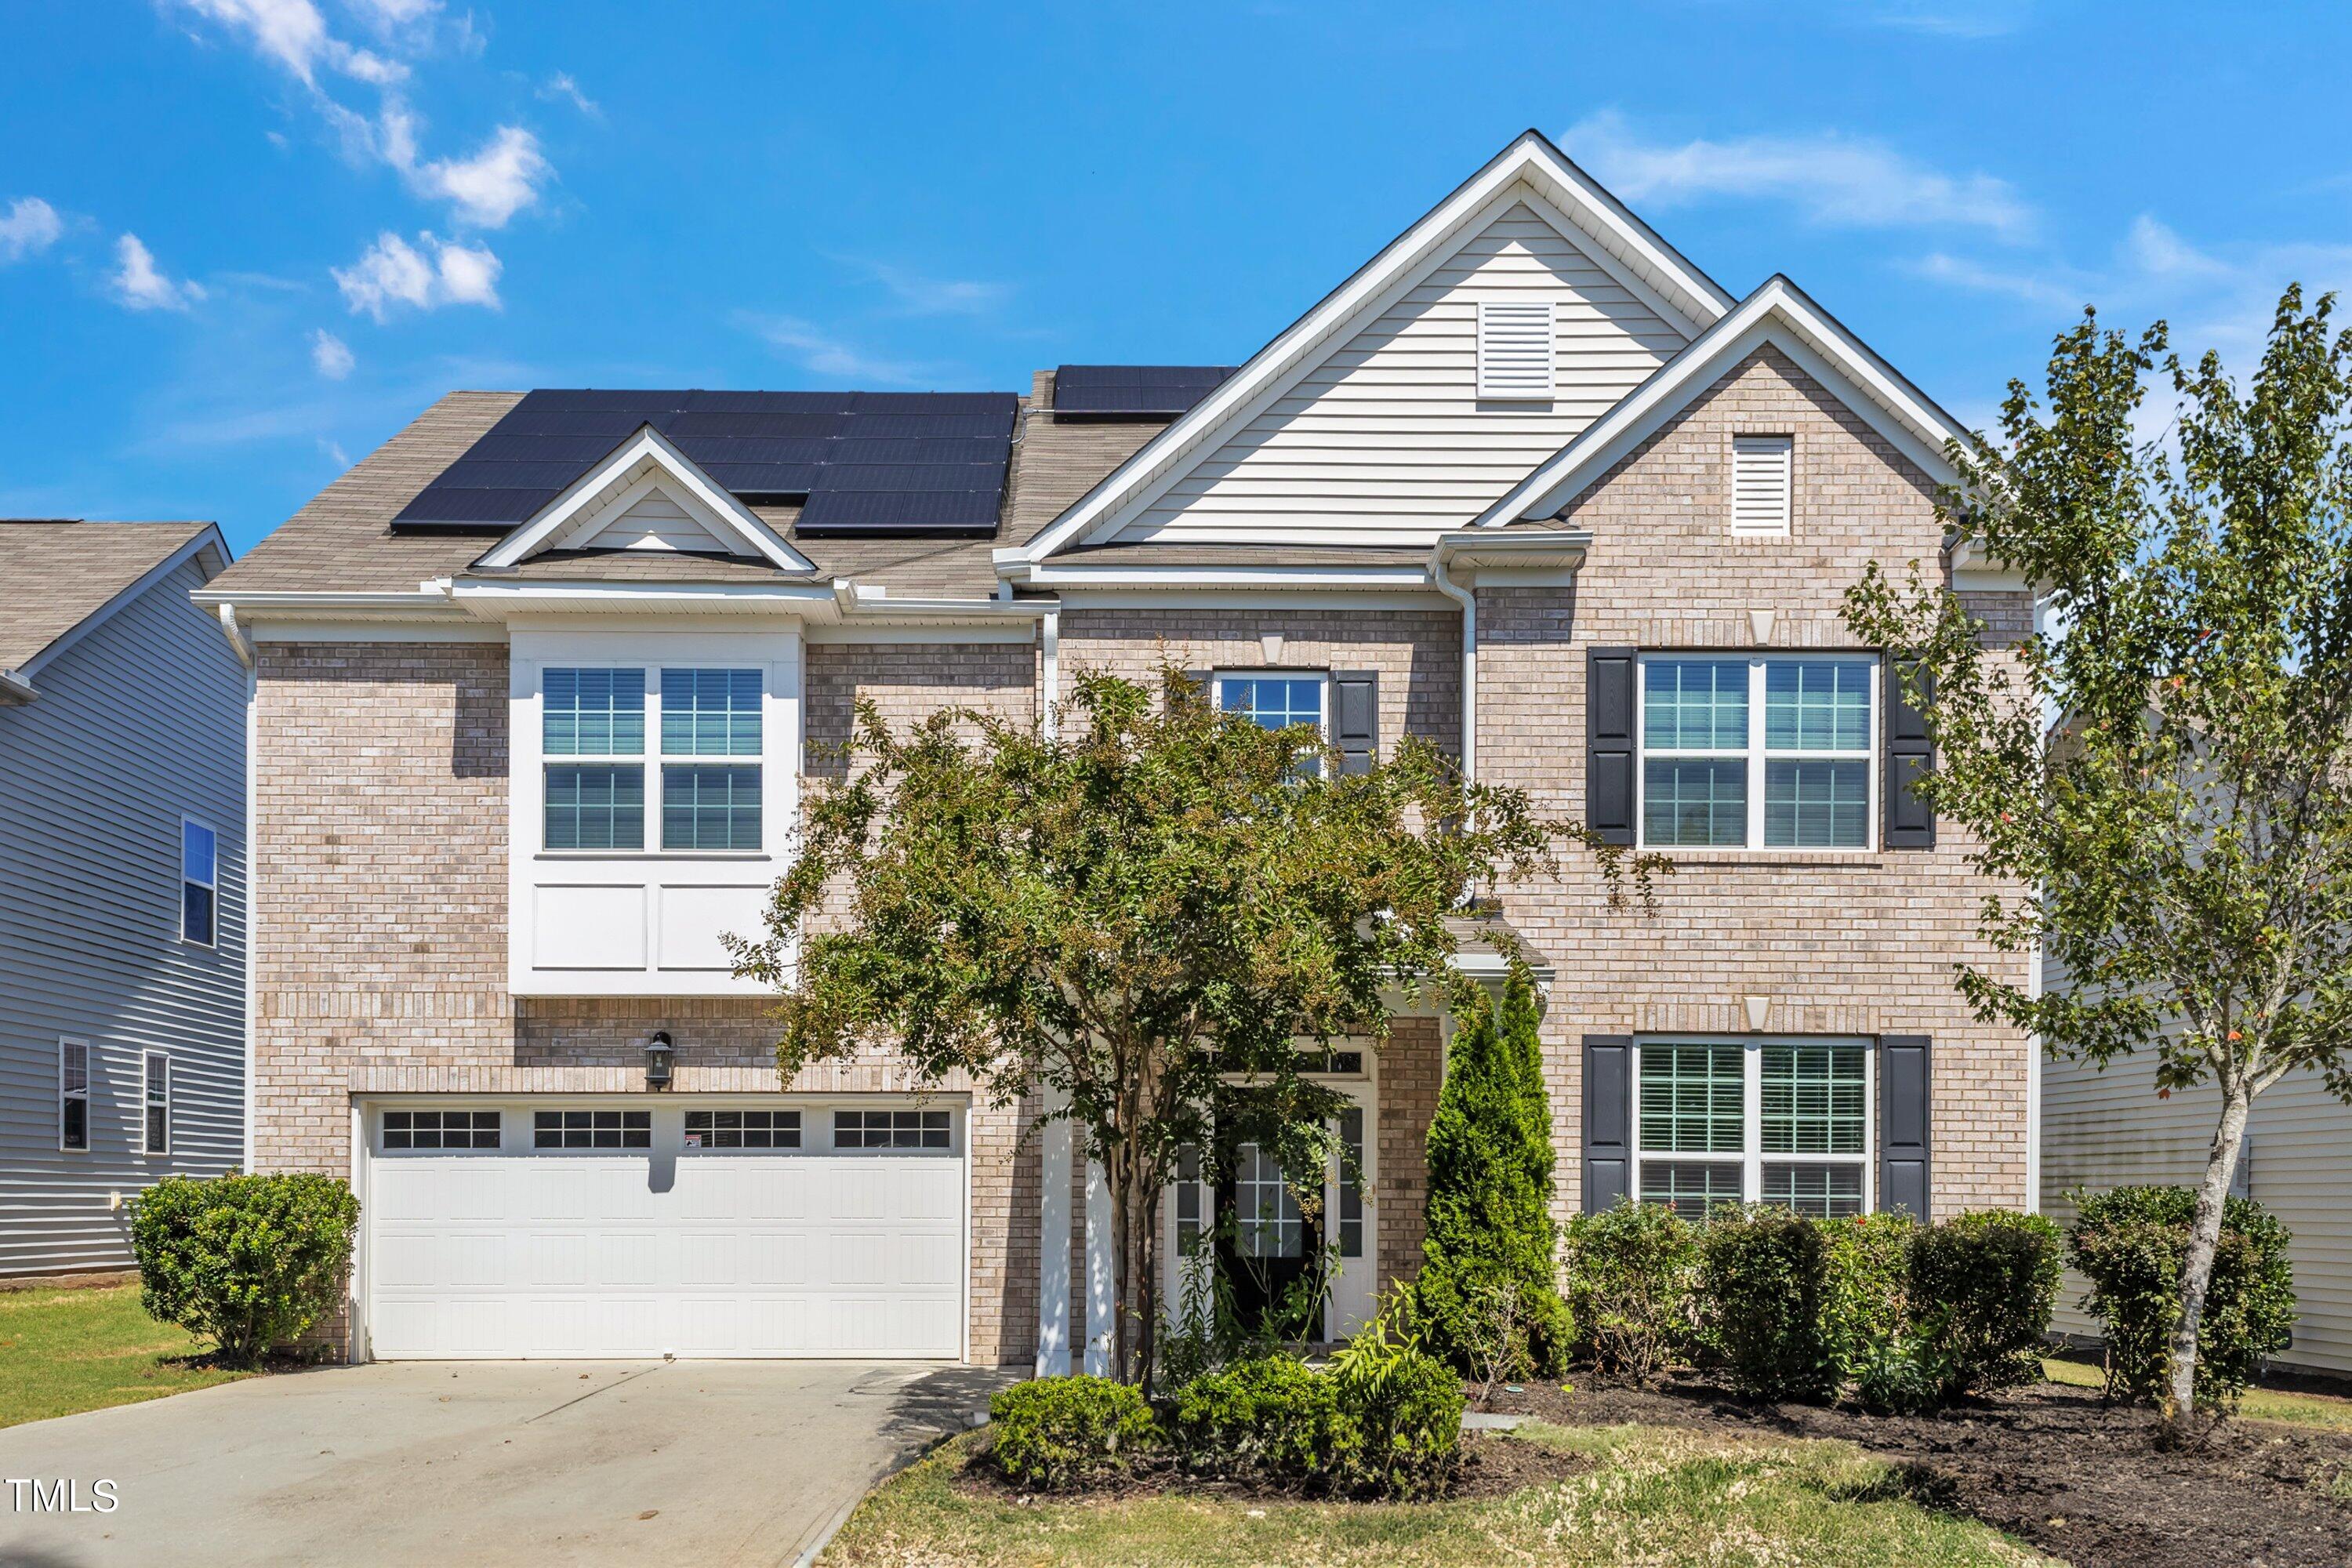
{"x": 1490, "y": 1467}
{"x": 2055, "y": 1466}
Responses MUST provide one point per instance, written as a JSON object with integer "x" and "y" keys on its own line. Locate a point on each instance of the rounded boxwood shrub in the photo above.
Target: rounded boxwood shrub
{"x": 1273, "y": 1419}
{"x": 1055, "y": 1433}
{"x": 1759, "y": 1291}
{"x": 249, "y": 1262}
{"x": 1630, "y": 1269}
{"x": 1982, "y": 1286}
{"x": 1407, "y": 1413}
{"x": 2130, "y": 1242}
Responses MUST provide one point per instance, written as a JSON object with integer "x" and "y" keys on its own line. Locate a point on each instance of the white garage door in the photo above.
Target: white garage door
{"x": 769, "y": 1229}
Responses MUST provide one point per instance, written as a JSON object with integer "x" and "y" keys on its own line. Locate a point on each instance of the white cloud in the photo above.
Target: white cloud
{"x": 331, "y": 355}
{"x": 561, "y": 86}
{"x": 1838, "y": 181}
{"x": 920, "y": 296}
{"x": 139, "y": 284}
{"x": 395, "y": 15}
{"x": 333, "y": 452}
{"x": 825, "y": 354}
{"x": 394, "y": 273}
{"x": 1948, "y": 18}
{"x": 31, "y": 226}
{"x": 293, "y": 34}
{"x": 2039, "y": 287}
{"x": 492, "y": 185}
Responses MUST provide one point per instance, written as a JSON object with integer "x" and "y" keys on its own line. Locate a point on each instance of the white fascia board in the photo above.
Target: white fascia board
{"x": 1482, "y": 548}
{"x": 1973, "y": 571}
{"x": 1182, "y": 579}
{"x": 495, "y": 600}
{"x": 1642, "y": 259}
{"x": 1777, "y": 313}
{"x": 254, "y": 607}
{"x": 207, "y": 544}
{"x": 715, "y": 507}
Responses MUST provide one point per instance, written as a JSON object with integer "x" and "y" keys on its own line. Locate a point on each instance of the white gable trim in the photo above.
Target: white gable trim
{"x": 1778, "y": 313}
{"x": 647, "y": 456}
{"x": 1530, "y": 171}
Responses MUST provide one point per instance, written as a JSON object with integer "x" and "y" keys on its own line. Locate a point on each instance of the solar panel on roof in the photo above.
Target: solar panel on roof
{"x": 1134, "y": 391}
{"x": 867, "y": 462}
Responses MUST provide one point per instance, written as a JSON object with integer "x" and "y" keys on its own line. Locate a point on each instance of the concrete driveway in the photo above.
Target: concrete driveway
{"x": 447, "y": 1463}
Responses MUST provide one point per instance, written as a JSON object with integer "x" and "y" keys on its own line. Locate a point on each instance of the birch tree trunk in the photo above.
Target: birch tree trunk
{"x": 2204, "y": 1241}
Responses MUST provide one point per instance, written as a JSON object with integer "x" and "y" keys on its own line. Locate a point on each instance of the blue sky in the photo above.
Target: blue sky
{"x": 243, "y": 241}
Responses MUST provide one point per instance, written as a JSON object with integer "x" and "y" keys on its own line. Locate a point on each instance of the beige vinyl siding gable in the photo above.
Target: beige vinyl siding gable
{"x": 655, "y": 521}
{"x": 1386, "y": 440}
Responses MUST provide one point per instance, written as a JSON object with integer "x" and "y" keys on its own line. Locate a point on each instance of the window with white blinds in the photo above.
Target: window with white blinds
{"x": 1514, "y": 348}
{"x": 1761, "y": 480}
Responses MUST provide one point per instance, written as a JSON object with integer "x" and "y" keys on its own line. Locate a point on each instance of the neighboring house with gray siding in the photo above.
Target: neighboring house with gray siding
{"x": 123, "y": 916}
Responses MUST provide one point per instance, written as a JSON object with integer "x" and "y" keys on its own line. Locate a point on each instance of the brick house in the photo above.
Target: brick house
{"x": 538, "y": 682}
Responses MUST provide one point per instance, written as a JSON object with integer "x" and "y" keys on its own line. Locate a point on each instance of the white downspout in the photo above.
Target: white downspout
{"x": 1050, "y": 637}
{"x": 1469, "y": 603}
{"x": 242, "y": 645}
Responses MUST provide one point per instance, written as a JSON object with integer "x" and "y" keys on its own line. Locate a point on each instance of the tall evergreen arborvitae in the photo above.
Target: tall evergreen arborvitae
{"x": 1491, "y": 1232}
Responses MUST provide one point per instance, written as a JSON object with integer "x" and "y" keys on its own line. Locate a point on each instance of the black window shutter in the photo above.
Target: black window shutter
{"x": 1903, "y": 1163}
{"x": 1607, "y": 1120}
{"x": 1609, "y": 744}
{"x": 1909, "y": 823}
{"x": 1200, "y": 681}
{"x": 1356, "y": 719}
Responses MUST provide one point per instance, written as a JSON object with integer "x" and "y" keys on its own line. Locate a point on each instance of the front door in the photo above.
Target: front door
{"x": 1265, "y": 1244}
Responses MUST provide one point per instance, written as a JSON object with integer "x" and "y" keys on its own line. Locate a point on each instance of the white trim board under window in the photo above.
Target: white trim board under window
{"x": 73, "y": 1096}
{"x": 1786, "y": 1120}
{"x": 156, "y": 1102}
{"x": 1757, "y": 751}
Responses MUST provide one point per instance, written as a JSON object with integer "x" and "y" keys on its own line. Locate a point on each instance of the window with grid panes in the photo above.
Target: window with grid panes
{"x": 743, "y": 1129}
{"x": 1805, "y": 1145}
{"x": 592, "y": 734}
{"x": 1772, "y": 752}
{"x": 591, "y": 1129}
{"x": 710, "y": 714}
{"x": 891, "y": 1130}
{"x": 440, "y": 1129}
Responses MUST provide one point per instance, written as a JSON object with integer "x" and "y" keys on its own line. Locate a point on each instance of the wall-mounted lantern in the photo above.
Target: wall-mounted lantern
{"x": 658, "y": 1052}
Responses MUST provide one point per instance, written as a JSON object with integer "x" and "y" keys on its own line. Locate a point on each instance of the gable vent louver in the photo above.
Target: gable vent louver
{"x": 1761, "y": 475}
{"x": 1514, "y": 348}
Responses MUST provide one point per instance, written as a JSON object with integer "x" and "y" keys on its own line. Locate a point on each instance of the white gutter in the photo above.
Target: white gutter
{"x": 239, "y": 644}
{"x": 15, "y": 688}
{"x": 1050, "y": 639}
{"x": 1399, "y": 579}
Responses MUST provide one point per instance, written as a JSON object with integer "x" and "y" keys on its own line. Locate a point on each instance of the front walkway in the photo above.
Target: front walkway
{"x": 479, "y": 1462}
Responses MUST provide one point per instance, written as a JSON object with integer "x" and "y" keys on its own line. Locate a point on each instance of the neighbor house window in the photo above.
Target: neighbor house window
{"x": 594, "y": 736}
{"x": 1277, "y": 702}
{"x": 73, "y": 1094}
{"x": 1783, "y": 1122}
{"x": 156, "y": 1097}
{"x": 1772, "y": 752}
{"x": 706, "y": 793}
{"x": 199, "y": 882}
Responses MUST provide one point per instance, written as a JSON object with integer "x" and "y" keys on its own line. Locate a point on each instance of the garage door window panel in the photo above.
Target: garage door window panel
{"x": 440, "y": 1130}
{"x": 891, "y": 1130}
{"x": 591, "y": 1129}
{"x": 742, "y": 1130}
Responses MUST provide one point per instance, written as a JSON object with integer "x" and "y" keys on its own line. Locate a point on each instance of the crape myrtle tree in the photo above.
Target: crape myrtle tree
{"x": 2179, "y": 840}
{"x": 1136, "y": 915}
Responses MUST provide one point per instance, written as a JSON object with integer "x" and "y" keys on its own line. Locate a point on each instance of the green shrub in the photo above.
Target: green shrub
{"x": 249, "y": 1262}
{"x": 1899, "y": 1375}
{"x": 1406, "y": 1406}
{"x": 1055, "y": 1433}
{"x": 1760, "y": 1292}
{"x": 1273, "y": 1419}
{"x": 2130, "y": 1242}
{"x": 1631, "y": 1271}
{"x": 1489, "y": 1300}
{"x": 1864, "y": 1264}
{"x": 1983, "y": 1285}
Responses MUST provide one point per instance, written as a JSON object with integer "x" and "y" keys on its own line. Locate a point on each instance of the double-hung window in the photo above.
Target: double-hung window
{"x": 1277, "y": 701}
{"x": 1786, "y": 1122}
{"x": 199, "y": 882}
{"x": 73, "y": 1094}
{"x": 156, "y": 1095}
{"x": 1772, "y": 752}
{"x": 704, "y": 790}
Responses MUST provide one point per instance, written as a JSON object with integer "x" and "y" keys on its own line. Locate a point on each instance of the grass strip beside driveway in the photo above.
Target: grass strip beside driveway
{"x": 66, "y": 1351}
{"x": 1656, "y": 1496}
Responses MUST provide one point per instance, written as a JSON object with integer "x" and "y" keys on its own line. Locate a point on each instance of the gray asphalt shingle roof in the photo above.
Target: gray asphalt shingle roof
{"x": 54, "y": 575}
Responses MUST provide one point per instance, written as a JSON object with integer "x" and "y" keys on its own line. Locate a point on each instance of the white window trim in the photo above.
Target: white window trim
{"x": 1752, "y": 1158}
{"x": 88, "y": 1133}
{"x": 185, "y": 881}
{"x": 1754, "y": 754}
{"x": 147, "y": 1060}
{"x": 651, "y": 760}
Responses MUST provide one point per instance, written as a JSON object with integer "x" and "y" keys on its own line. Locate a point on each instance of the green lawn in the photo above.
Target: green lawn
{"x": 63, "y": 1351}
{"x": 2260, "y": 1403}
{"x": 1656, "y": 1496}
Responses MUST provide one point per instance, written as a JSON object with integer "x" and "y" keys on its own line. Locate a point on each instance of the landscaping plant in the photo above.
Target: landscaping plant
{"x": 2182, "y": 845}
{"x": 1056, "y": 1433}
{"x": 1865, "y": 1268}
{"x": 1487, "y": 1297}
{"x": 2131, "y": 1243}
{"x": 1274, "y": 1420}
{"x": 1631, "y": 1270}
{"x": 1982, "y": 1286}
{"x": 1135, "y": 910}
{"x": 1760, "y": 1292}
{"x": 249, "y": 1262}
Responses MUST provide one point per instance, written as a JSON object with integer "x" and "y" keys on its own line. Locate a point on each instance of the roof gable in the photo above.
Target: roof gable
{"x": 1778, "y": 313}
{"x": 61, "y": 580}
{"x": 602, "y": 502}
{"x": 1530, "y": 172}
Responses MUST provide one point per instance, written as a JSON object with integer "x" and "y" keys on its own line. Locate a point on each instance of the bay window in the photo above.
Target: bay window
{"x": 1770, "y": 752}
{"x": 1773, "y": 1122}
